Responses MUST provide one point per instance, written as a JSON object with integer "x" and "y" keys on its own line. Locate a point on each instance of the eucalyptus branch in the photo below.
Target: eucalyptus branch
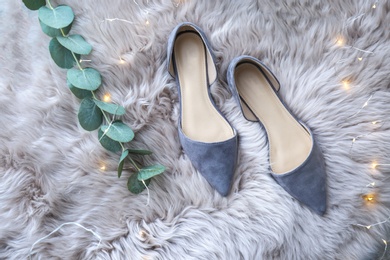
{"x": 66, "y": 50}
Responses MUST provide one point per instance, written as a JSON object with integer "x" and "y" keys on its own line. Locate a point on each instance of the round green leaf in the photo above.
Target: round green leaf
{"x": 110, "y": 108}
{"x": 140, "y": 152}
{"x": 125, "y": 153}
{"x": 150, "y": 171}
{"x": 108, "y": 143}
{"x": 75, "y": 43}
{"x": 136, "y": 186}
{"x": 34, "y": 4}
{"x": 56, "y": 18}
{"x": 80, "y": 93}
{"x": 61, "y": 56}
{"x": 90, "y": 116}
{"x": 54, "y": 32}
{"x": 87, "y": 78}
{"x": 118, "y": 131}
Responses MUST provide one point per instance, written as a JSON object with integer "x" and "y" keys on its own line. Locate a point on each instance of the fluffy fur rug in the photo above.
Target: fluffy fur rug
{"x": 60, "y": 197}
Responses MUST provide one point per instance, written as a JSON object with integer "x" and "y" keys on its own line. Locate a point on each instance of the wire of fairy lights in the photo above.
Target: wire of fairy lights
{"x": 370, "y": 198}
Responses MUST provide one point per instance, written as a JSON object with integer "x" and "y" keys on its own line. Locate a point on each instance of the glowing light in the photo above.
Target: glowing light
{"x": 384, "y": 252}
{"x": 374, "y": 122}
{"x": 147, "y": 22}
{"x": 354, "y": 140}
{"x": 373, "y": 6}
{"x": 340, "y": 41}
{"x": 360, "y": 58}
{"x": 370, "y": 197}
{"x": 374, "y": 165}
{"x": 346, "y": 84}
{"x": 107, "y": 97}
{"x": 121, "y": 61}
{"x": 368, "y": 227}
{"x": 102, "y": 167}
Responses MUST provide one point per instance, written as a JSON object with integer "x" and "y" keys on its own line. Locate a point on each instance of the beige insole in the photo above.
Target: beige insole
{"x": 200, "y": 120}
{"x": 289, "y": 142}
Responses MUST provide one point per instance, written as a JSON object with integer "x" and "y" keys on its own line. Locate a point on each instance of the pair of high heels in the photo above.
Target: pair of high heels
{"x": 211, "y": 142}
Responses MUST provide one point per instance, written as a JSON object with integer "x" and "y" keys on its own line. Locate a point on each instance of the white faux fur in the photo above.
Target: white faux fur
{"x": 50, "y": 167}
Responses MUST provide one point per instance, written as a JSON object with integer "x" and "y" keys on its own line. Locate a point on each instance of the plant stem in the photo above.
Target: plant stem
{"x": 62, "y": 32}
{"x": 123, "y": 148}
{"x": 50, "y": 6}
{"x": 104, "y": 114}
{"x": 77, "y": 61}
{"x": 135, "y": 165}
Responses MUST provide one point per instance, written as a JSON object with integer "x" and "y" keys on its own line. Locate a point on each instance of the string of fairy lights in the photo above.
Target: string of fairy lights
{"x": 370, "y": 198}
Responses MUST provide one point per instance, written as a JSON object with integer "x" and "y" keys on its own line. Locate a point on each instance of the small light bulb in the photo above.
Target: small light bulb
{"x": 121, "y": 61}
{"x": 374, "y": 122}
{"x": 368, "y": 227}
{"x": 102, "y": 167}
{"x": 370, "y": 197}
{"x": 372, "y": 184}
{"x": 107, "y": 97}
{"x": 345, "y": 84}
{"x": 373, "y": 6}
{"x": 374, "y": 165}
{"x": 360, "y": 58}
{"x": 147, "y": 22}
{"x": 340, "y": 42}
{"x": 353, "y": 140}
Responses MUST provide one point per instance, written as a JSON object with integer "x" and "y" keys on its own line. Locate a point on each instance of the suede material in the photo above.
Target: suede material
{"x": 215, "y": 161}
{"x": 306, "y": 183}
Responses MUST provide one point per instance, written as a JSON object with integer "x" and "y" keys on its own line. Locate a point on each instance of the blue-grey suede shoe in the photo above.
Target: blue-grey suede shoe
{"x": 296, "y": 161}
{"x": 206, "y": 136}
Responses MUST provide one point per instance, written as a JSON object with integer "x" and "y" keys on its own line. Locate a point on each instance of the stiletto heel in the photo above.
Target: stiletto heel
{"x": 296, "y": 162}
{"x": 206, "y": 136}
